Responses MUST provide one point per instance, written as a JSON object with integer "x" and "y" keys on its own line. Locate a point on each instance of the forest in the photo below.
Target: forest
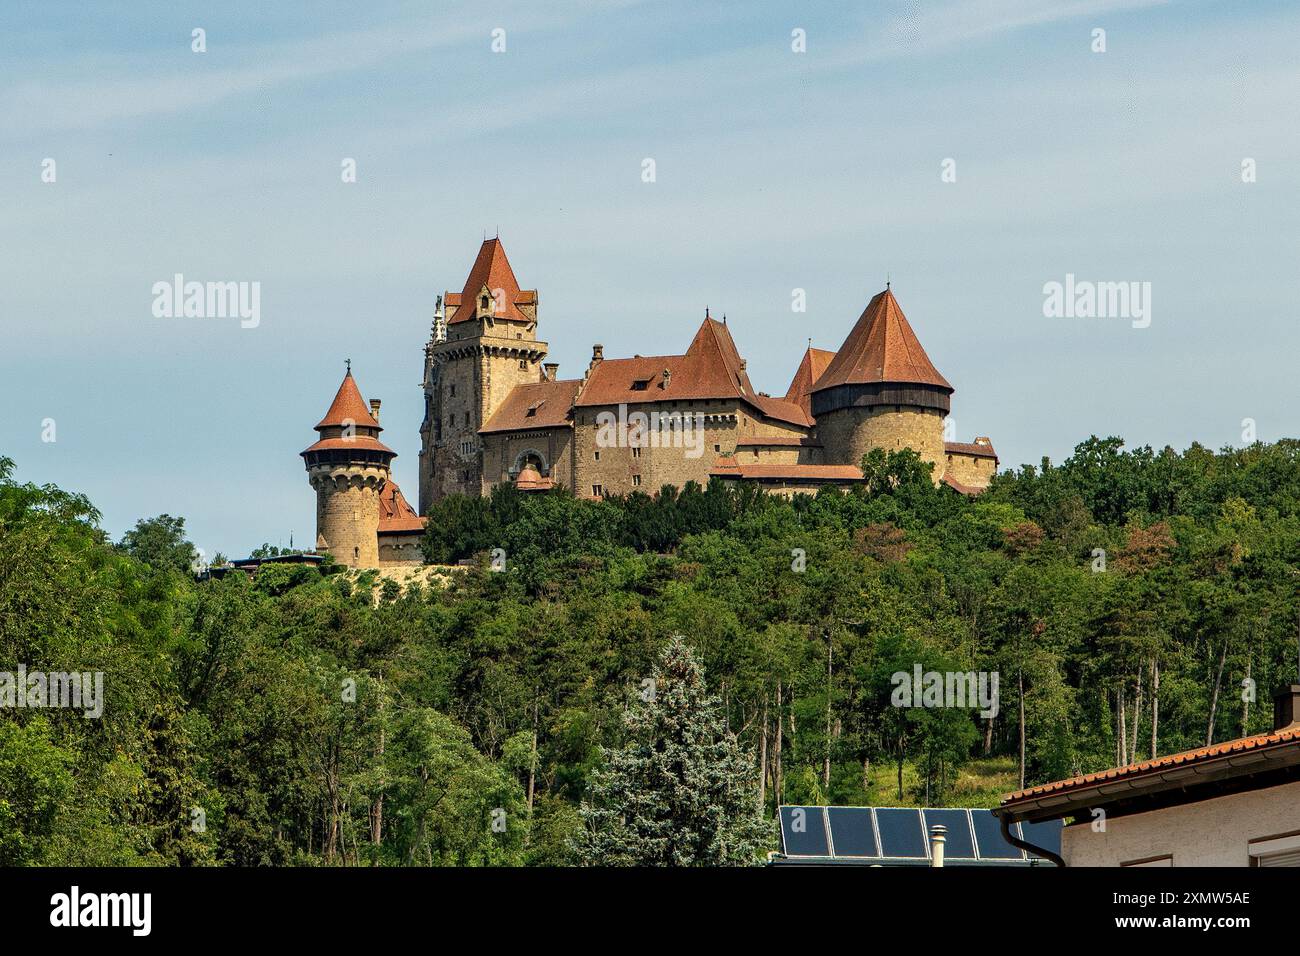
{"x": 1132, "y": 602}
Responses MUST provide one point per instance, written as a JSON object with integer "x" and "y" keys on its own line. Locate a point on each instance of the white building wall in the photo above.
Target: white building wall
{"x": 1213, "y": 832}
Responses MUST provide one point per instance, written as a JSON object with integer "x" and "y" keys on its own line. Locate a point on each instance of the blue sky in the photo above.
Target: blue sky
{"x": 775, "y": 170}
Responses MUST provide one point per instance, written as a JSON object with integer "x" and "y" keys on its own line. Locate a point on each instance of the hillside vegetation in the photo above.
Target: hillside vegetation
{"x": 305, "y": 716}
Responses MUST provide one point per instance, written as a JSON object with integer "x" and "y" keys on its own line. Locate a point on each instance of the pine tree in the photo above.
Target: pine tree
{"x": 680, "y": 792}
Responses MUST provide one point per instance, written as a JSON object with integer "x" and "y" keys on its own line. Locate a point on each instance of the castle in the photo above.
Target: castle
{"x": 495, "y": 411}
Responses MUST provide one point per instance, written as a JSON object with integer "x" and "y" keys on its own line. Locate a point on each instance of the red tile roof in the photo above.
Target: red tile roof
{"x": 711, "y": 369}
{"x": 956, "y": 485}
{"x": 348, "y": 406}
{"x": 1135, "y": 771}
{"x": 355, "y": 443}
{"x": 491, "y": 271}
{"x": 728, "y": 467}
{"x": 396, "y": 516}
{"x": 977, "y": 449}
{"x": 811, "y": 367}
{"x": 530, "y": 479}
{"x": 548, "y": 402}
{"x": 881, "y": 348}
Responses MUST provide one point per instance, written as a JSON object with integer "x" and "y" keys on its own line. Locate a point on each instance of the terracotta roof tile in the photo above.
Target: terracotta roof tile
{"x": 978, "y": 449}
{"x": 881, "y": 348}
{"x": 348, "y": 406}
{"x": 956, "y": 485}
{"x": 491, "y": 271}
{"x": 1288, "y": 735}
{"x": 711, "y": 369}
{"x": 396, "y": 516}
{"x": 356, "y": 443}
{"x": 728, "y": 467}
{"x": 530, "y": 479}
{"x": 535, "y": 405}
{"x": 811, "y": 367}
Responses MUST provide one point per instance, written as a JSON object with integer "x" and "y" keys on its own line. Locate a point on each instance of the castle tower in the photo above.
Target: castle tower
{"x": 490, "y": 346}
{"x": 348, "y": 466}
{"x": 881, "y": 391}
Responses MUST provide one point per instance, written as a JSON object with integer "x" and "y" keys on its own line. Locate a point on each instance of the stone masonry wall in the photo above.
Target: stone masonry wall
{"x": 972, "y": 470}
{"x": 347, "y": 514}
{"x": 849, "y": 433}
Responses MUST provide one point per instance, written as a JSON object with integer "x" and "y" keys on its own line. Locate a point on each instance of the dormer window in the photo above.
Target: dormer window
{"x": 641, "y": 385}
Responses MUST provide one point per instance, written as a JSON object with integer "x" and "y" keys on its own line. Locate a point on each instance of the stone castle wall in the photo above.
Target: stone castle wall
{"x": 347, "y": 513}
{"x": 479, "y": 366}
{"x": 847, "y": 434}
{"x": 553, "y": 446}
{"x": 974, "y": 470}
{"x": 400, "y": 550}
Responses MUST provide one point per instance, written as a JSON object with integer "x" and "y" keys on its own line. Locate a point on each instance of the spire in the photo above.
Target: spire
{"x": 491, "y": 272}
{"x": 882, "y": 348}
{"x": 811, "y": 367}
{"x": 348, "y": 406}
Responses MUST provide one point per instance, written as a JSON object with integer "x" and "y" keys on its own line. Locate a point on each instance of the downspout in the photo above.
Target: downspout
{"x": 1028, "y": 847}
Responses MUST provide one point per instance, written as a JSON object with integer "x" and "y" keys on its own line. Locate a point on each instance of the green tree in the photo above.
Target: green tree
{"x": 680, "y": 792}
{"x": 160, "y": 543}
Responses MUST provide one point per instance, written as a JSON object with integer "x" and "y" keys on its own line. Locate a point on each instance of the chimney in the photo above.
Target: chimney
{"x": 552, "y": 370}
{"x": 668, "y": 378}
{"x": 1286, "y": 708}
{"x": 597, "y": 354}
{"x": 374, "y": 409}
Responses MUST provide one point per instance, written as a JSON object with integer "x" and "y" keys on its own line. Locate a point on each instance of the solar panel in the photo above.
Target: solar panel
{"x": 852, "y": 831}
{"x": 1046, "y": 834}
{"x": 988, "y": 834}
{"x": 900, "y": 832}
{"x": 803, "y": 831}
{"x": 959, "y": 844}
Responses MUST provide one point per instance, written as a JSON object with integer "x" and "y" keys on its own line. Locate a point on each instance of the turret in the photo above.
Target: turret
{"x": 881, "y": 391}
{"x": 489, "y": 347}
{"x": 348, "y": 465}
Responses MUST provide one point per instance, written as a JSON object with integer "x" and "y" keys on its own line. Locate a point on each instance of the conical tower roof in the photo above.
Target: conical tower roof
{"x": 491, "y": 271}
{"x": 881, "y": 348}
{"x": 348, "y": 407}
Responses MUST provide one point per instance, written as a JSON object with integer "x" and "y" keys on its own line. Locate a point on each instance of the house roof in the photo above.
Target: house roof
{"x": 956, "y": 485}
{"x": 979, "y": 449}
{"x": 491, "y": 271}
{"x": 396, "y": 516}
{"x": 881, "y": 347}
{"x": 355, "y": 443}
{"x": 1179, "y": 768}
{"x": 530, "y": 479}
{"x": 811, "y": 367}
{"x": 711, "y": 368}
{"x": 729, "y": 467}
{"x": 348, "y": 407}
{"x": 535, "y": 405}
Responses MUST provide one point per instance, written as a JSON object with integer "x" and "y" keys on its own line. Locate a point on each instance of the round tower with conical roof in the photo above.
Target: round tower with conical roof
{"x": 348, "y": 466}
{"x": 881, "y": 391}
